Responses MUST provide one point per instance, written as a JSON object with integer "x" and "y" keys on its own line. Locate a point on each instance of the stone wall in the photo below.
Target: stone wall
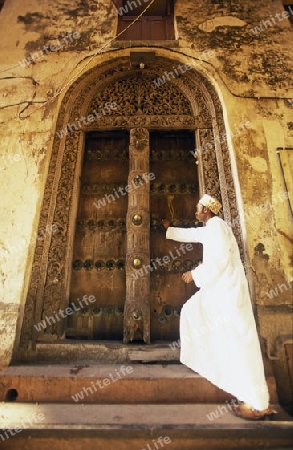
{"x": 46, "y": 47}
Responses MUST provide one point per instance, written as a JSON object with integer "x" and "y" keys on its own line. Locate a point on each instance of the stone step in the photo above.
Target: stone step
{"x": 70, "y": 351}
{"x": 111, "y": 383}
{"x": 47, "y": 426}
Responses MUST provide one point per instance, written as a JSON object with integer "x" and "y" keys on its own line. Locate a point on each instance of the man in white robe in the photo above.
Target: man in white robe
{"x": 218, "y": 333}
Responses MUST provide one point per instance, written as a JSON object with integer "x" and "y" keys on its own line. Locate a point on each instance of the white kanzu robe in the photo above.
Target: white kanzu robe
{"x": 218, "y": 334}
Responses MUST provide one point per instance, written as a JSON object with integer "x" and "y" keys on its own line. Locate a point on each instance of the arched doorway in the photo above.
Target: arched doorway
{"x": 109, "y": 253}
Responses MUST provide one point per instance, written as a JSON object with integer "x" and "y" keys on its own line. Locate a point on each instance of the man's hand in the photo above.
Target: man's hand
{"x": 166, "y": 223}
{"x": 187, "y": 277}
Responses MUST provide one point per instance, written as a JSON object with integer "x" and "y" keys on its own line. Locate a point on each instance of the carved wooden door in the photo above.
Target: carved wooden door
{"x": 121, "y": 258}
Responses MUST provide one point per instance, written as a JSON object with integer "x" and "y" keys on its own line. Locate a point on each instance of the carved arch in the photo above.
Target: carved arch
{"x": 191, "y": 103}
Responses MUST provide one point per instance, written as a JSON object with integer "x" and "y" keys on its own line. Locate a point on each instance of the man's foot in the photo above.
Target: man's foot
{"x": 245, "y": 411}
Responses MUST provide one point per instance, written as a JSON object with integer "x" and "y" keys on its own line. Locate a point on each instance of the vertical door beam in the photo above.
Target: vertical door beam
{"x": 137, "y": 304}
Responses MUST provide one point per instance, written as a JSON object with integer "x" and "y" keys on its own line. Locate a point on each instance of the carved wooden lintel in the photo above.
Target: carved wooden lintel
{"x": 150, "y": 121}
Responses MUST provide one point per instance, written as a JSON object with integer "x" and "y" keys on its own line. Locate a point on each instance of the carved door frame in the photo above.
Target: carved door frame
{"x": 200, "y": 110}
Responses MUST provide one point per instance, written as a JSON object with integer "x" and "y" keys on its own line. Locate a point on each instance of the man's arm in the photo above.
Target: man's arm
{"x": 185, "y": 234}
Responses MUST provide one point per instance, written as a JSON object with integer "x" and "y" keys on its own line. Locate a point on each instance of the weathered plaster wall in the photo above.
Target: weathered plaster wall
{"x": 251, "y": 62}
{"x": 251, "y": 73}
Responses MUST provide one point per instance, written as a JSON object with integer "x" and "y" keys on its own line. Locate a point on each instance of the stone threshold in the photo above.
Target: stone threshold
{"x": 73, "y": 350}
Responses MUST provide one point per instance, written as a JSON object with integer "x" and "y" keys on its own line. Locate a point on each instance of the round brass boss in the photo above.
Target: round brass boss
{"x": 137, "y": 219}
{"x": 137, "y": 263}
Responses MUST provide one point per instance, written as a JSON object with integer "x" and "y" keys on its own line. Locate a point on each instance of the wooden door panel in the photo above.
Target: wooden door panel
{"x": 157, "y": 28}
{"x": 168, "y": 293}
{"x": 132, "y": 33}
{"x": 100, "y": 240}
{"x": 146, "y": 28}
{"x": 157, "y": 8}
{"x": 174, "y": 196}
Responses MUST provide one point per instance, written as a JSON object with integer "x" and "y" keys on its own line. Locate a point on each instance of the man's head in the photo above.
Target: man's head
{"x": 207, "y": 208}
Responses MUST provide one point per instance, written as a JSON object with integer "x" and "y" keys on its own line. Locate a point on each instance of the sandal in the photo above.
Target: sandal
{"x": 245, "y": 411}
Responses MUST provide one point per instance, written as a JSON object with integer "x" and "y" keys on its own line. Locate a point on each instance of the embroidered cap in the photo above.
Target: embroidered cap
{"x": 210, "y": 202}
